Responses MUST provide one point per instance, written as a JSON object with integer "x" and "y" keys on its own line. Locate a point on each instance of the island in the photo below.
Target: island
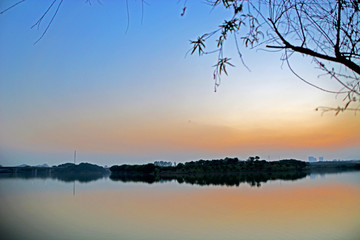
{"x": 228, "y": 171}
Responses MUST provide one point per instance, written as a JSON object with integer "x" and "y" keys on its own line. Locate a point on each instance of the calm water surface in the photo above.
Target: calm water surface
{"x": 315, "y": 207}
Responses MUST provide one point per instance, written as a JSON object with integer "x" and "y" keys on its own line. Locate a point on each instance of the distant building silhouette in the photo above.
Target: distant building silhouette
{"x": 321, "y": 159}
{"x": 312, "y": 159}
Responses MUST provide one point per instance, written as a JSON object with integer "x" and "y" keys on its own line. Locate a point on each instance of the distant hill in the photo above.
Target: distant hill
{"x": 68, "y": 168}
{"x": 37, "y": 166}
{"x": 68, "y": 172}
{"x": 65, "y": 165}
{"x": 42, "y": 165}
{"x": 23, "y": 165}
{"x": 80, "y": 168}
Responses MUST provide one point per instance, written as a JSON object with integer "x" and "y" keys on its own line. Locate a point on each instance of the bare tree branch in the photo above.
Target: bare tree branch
{"x": 326, "y": 30}
{"x": 14, "y": 5}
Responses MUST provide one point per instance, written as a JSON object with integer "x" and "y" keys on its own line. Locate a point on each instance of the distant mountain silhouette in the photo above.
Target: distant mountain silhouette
{"x": 23, "y": 165}
{"x": 42, "y": 165}
{"x": 68, "y": 172}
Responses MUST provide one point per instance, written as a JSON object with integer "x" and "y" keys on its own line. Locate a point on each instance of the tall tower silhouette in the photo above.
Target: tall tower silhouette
{"x": 75, "y": 157}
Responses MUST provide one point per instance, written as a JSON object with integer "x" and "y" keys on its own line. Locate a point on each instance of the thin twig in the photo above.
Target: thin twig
{"x": 52, "y": 19}
{"x": 42, "y": 17}
{"x": 128, "y": 16}
{"x": 15, "y": 4}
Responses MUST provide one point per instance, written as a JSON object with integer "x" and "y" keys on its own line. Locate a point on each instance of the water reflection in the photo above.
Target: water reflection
{"x": 320, "y": 208}
{"x": 253, "y": 179}
{"x": 64, "y": 177}
{"x": 114, "y": 210}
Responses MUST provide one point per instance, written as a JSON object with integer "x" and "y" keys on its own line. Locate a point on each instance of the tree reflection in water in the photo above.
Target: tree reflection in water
{"x": 253, "y": 179}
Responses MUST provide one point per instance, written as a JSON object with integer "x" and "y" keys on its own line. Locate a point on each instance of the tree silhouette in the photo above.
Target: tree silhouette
{"x": 326, "y": 30}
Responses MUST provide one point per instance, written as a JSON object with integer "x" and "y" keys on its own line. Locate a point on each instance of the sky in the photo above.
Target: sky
{"x": 121, "y": 88}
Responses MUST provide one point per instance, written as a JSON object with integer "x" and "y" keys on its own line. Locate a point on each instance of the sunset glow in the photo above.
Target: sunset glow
{"x": 131, "y": 96}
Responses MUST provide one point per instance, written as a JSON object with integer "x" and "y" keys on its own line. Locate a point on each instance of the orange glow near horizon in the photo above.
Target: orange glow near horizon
{"x": 148, "y": 135}
{"x": 133, "y": 96}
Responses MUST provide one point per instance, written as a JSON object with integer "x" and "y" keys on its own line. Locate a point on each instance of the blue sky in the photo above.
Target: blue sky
{"x": 126, "y": 95}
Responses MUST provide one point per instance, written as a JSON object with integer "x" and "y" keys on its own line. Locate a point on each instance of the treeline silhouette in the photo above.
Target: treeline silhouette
{"x": 228, "y": 171}
{"x": 223, "y": 166}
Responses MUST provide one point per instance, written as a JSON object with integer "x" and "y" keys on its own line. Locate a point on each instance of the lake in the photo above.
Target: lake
{"x": 314, "y": 207}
